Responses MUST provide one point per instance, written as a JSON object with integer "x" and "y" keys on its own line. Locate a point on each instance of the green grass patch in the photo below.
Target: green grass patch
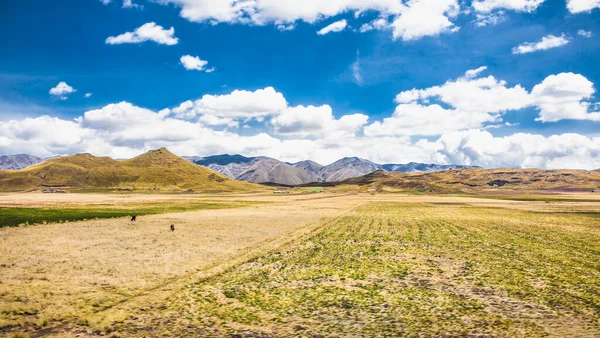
{"x": 15, "y": 216}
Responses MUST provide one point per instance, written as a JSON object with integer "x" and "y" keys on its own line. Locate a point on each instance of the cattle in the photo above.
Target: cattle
{"x": 133, "y": 218}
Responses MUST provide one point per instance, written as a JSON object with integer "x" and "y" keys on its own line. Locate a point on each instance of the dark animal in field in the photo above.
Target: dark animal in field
{"x": 172, "y": 227}
{"x": 133, "y": 218}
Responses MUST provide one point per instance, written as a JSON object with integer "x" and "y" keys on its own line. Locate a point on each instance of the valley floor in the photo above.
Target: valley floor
{"x": 310, "y": 265}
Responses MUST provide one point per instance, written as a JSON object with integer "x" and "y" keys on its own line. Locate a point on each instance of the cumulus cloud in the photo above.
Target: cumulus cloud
{"x": 454, "y": 117}
{"x": 421, "y": 18}
{"x": 195, "y": 63}
{"x": 240, "y": 104}
{"x": 476, "y": 147}
{"x": 62, "y": 89}
{"x": 473, "y": 102}
{"x": 427, "y": 120}
{"x": 301, "y": 121}
{"x": 578, "y": 6}
{"x": 561, "y": 97}
{"x": 377, "y": 24}
{"x": 87, "y": 95}
{"x": 547, "y": 42}
{"x": 412, "y": 19}
{"x": 123, "y": 130}
{"x": 335, "y": 27}
{"x": 147, "y": 32}
{"x": 489, "y": 19}
{"x": 487, "y": 6}
{"x": 130, "y": 4}
{"x": 584, "y": 33}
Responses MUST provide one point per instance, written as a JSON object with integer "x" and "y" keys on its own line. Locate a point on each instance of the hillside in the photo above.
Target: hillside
{"x": 308, "y": 166}
{"x": 482, "y": 180}
{"x": 18, "y": 162}
{"x": 414, "y": 167}
{"x": 155, "y": 170}
{"x": 345, "y": 168}
{"x": 268, "y": 170}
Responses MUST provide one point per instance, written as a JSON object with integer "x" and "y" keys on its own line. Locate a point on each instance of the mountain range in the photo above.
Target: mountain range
{"x": 18, "y": 162}
{"x": 269, "y": 170}
{"x": 160, "y": 170}
{"x": 156, "y": 170}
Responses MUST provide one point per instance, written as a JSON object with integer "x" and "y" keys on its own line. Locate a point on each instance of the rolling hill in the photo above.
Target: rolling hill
{"x": 469, "y": 180}
{"x": 18, "y": 162}
{"x": 155, "y": 170}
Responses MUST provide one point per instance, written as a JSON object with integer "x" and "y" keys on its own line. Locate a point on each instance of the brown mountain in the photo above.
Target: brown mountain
{"x": 482, "y": 180}
{"x": 155, "y": 170}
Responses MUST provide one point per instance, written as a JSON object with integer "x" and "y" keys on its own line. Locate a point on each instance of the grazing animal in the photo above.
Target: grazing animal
{"x": 133, "y": 218}
{"x": 172, "y": 228}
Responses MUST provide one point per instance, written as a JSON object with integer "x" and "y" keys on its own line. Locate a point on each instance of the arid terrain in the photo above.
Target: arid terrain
{"x": 304, "y": 264}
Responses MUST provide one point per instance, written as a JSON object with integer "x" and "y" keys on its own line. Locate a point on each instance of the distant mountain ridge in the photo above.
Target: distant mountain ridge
{"x": 269, "y": 170}
{"x": 18, "y": 162}
{"x": 478, "y": 180}
{"x": 158, "y": 170}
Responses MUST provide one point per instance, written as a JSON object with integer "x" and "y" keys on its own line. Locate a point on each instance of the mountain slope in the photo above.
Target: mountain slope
{"x": 309, "y": 166}
{"x": 157, "y": 169}
{"x": 256, "y": 169}
{"x": 18, "y": 162}
{"x": 483, "y": 179}
{"x": 346, "y": 168}
{"x": 413, "y": 167}
{"x": 268, "y": 170}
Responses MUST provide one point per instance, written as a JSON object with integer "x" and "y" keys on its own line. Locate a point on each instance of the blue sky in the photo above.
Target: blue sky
{"x": 422, "y": 44}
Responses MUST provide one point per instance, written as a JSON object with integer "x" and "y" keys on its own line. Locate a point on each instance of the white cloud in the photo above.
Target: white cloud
{"x": 105, "y": 2}
{"x": 474, "y": 95}
{"x": 578, "y": 6}
{"x": 560, "y": 97}
{"x": 335, "y": 27}
{"x": 62, "y": 89}
{"x": 487, "y": 6}
{"x": 195, "y": 63}
{"x": 412, "y": 19}
{"x": 88, "y": 95}
{"x": 356, "y": 73}
{"x": 489, "y": 19}
{"x": 123, "y": 130}
{"x": 476, "y": 147}
{"x": 473, "y": 73}
{"x": 456, "y": 113}
{"x": 147, "y": 32}
{"x": 301, "y": 121}
{"x": 584, "y": 33}
{"x": 477, "y": 102}
{"x": 377, "y": 24}
{"x": 240, "y": 104}
{"x": 547, "y": 42}
{"x": 427, "y": 120}
{"x": 130, "y": 4}
{"x": 421, "y": 18}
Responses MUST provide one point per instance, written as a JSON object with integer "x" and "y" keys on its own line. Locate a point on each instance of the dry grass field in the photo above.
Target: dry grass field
{"x": 313, "y": 265}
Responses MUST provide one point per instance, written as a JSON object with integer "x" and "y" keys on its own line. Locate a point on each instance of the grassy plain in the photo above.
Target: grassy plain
{"x": 312, "y": 265}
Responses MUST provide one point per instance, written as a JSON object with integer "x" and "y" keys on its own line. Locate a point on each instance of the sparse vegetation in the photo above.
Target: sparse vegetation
{"x": 341, "y": 265}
